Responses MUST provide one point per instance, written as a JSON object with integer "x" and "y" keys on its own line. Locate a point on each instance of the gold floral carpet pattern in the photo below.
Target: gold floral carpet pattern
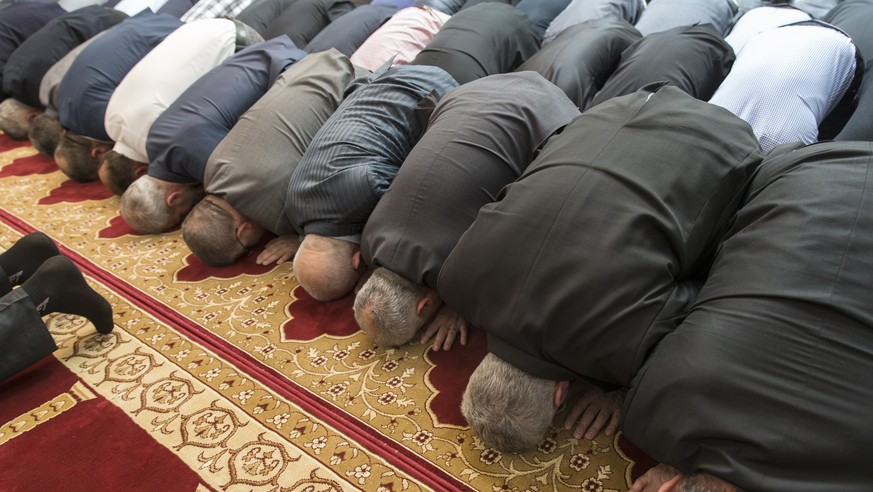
{"x": 243, "y": 380}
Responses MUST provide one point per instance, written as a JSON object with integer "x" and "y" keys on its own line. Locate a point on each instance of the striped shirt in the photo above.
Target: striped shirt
{"x": 352, "y": 160}
{"x": 786, "y": 80}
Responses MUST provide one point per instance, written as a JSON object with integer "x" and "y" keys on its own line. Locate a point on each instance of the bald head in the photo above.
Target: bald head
{"x": 327, "y": 268}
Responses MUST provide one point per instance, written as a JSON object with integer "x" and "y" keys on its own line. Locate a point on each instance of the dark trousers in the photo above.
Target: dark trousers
{"x": 24, "y": 338}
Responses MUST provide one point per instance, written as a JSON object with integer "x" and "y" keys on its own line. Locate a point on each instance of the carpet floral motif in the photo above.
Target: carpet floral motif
{"x": 257, "y": 386}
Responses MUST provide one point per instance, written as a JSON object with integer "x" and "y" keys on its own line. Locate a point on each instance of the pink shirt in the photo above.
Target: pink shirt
{"x": 405, "y": 34}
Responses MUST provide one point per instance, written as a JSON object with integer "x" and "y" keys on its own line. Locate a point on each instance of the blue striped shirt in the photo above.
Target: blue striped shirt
{"x": 353, "y": 158}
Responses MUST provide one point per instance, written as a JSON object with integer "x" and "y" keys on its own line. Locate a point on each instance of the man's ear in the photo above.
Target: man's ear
{"x": 32, "y": 113}
{"x": 240, "y": 229}
{"x": 172, "y": 197}
{"x": 97, "y": 150}
{"x": 671, "y": 484}
{"x": 562, "y": 388}
{"x": 140, "y": 168}
{"x": 423, "y": 301}
{"x": 356, "y": 259}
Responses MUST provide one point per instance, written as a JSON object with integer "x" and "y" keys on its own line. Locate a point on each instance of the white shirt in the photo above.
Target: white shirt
{"x": 786, "y": 80}
{"x": 133, "y": 7}
{"x": 762, "y": 19}
{"x": 160, "y": 77}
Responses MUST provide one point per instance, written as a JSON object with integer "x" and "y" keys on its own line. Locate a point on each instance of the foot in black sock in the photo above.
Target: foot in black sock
{"x": 59, "y": 287}
{"x": 25, "y": 256}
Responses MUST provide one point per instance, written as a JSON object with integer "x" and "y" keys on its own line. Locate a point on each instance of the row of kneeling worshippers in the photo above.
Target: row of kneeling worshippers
{"x": 630, "y": 199}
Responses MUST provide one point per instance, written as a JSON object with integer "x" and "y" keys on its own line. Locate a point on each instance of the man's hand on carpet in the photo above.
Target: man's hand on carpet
{"x": 652, "y": 480}
{"x": 279, "y": 250}
{"x": 595, "y": 410}
{"x": 445, "y": 327}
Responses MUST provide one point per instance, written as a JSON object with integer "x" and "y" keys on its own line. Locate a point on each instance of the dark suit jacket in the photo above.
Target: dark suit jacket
{"x": 84, "y": 92}
{"x": 306, "y": 18}
{"x": 259, "y": 14}
{"x": 855, "y": 18}
{"x": 695, "y": 59}
{"x": 18, "y": 22}
{"x": 487, "y": 39}
{"x": 542, "y": 12}
{"x": 185, "y": 134}
{"x": 480, "y": 138}
{"x": 593, "y": 251}
{"x": 36, "y": 55}
{"x": 349, "y": 31}
{"x": 582, "y": 57}
{"x": 767, "y": 381}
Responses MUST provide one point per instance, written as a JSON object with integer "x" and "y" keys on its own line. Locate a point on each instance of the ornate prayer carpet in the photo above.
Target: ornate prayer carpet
{"x": 234, "y": 379}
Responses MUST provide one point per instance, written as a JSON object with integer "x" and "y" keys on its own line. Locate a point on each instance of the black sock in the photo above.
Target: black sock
{"x": 59, "y": 287}
{"x": 25, "y": 256}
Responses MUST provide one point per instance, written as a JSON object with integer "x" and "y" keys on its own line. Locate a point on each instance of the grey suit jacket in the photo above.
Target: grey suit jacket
{"x": 252, "y": 165}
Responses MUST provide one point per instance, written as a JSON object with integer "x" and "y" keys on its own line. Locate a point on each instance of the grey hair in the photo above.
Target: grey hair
{"x": 13, "y": 118}
{"x": 209, "y": 231}
{"x": 45, "y": 134}
{"x": 391, "y": 300}
{"x": 144, "y": 206}
{"x": 704, "y": 482}
{"x": 509, "y": 409}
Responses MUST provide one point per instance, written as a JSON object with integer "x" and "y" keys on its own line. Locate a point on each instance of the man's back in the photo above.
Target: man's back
{"x": 775, "y": 358}
{"x": 185, "y": 134}
{"x": 36, "y": 55}
{"x": 354, "y": 157}
{"x": 786, "y": 80}
{"x": 695, "y": 59}
{"x": 596, "y": 248}
{"x": 251, "y": 167}
{"x": 581, "y": 59}
{"x": 94, "y": 75}
{"x": 158, "y": 79}
{"x": 480, "y": 137}
{"x": 487, "y": 39}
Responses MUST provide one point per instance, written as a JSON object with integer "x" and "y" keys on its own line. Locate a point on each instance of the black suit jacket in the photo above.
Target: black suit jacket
{"x": 592, "y": 254}
{"x": 767, "y": 381}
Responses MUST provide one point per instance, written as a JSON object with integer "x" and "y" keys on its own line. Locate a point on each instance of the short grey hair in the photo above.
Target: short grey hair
{"x": 391, "y": 300}
{"x": 509, "y": 409}
{"x": 704, "y": 482}
{"x": 144, "y": 206}
{"x": 45, "y": 134}
{"x": 210, "y": 233}
{"x": 13, "y": 118}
